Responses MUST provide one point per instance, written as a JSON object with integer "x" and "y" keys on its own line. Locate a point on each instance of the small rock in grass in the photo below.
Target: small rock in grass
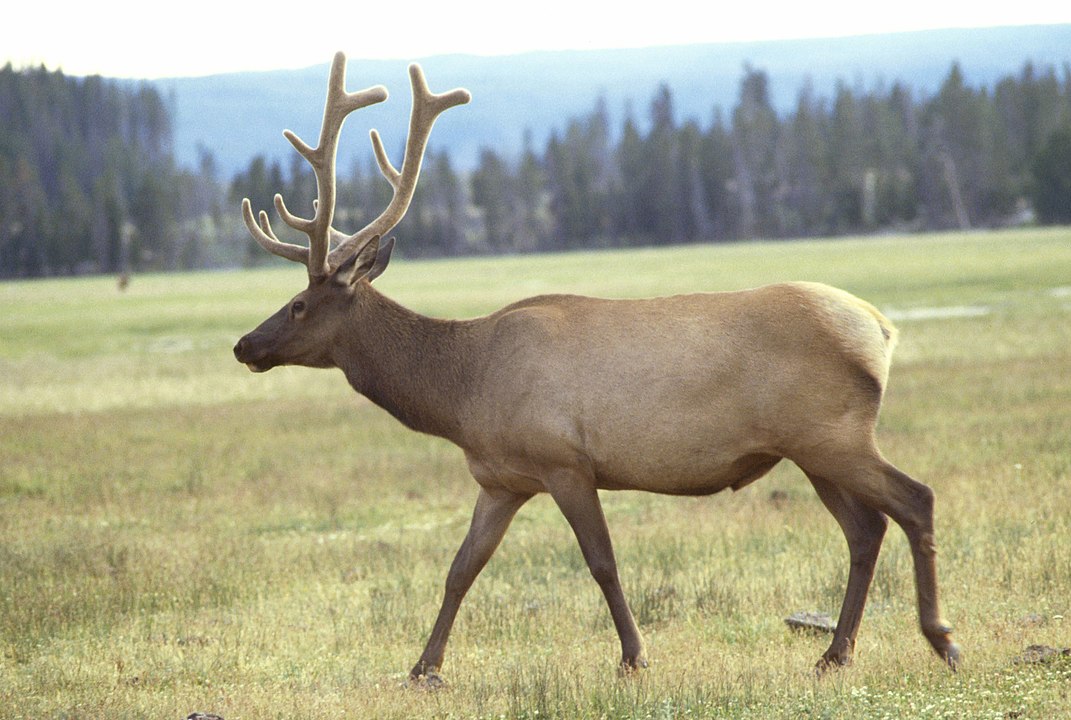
{"x": 816, "y": 622}
{"x": 1040, "y": 654}
{"x": 779, "y": 499}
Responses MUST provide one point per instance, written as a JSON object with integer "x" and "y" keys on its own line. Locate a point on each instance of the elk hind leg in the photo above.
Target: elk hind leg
{"x": 864, "y": 530}
{"x": 909, "y": 503}
{"x": 914, "y": 513}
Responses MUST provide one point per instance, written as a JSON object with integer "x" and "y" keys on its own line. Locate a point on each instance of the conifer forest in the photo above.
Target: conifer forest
{"x": 89, "y": 183}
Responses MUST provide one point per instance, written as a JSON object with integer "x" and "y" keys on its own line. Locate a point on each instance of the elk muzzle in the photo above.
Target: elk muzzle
{"x": 252, "y": 354}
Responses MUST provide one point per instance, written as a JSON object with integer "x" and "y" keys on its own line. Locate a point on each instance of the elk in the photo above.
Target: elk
{"x": 569, "y": 395}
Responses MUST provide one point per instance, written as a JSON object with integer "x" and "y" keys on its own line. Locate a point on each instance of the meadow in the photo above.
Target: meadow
{"x": 179, "y": 535}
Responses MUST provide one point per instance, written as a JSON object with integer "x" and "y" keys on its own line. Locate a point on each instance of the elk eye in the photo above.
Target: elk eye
{"x": 297, "y": 307}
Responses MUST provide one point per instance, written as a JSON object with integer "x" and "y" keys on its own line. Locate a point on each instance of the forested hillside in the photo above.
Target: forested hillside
{"x": 239, "y": 115}
{"x": 88, "y": 181}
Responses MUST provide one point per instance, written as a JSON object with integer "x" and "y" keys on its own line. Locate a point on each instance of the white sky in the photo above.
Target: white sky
{"x": 118, "y": 38}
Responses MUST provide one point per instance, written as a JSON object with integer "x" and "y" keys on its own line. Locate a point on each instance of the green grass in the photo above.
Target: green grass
{"x": 178, "y": 534}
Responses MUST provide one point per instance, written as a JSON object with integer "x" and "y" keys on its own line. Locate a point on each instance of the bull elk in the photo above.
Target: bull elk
{"x": 569, "y": 395}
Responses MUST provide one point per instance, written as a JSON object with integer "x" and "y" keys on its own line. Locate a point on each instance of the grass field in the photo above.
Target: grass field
{"x": 179, "y": 535}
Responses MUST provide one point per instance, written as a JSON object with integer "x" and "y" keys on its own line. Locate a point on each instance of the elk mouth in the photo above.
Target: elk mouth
{"x": 259, "y": 367}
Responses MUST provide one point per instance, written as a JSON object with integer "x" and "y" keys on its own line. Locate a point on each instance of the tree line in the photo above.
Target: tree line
{"x": 87, "y": 177}
{"x": 861, "y": 161}
{"x": 88, "y": 181}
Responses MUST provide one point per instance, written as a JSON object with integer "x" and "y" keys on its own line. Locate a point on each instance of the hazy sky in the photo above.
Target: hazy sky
{"x": 198, "y": 37}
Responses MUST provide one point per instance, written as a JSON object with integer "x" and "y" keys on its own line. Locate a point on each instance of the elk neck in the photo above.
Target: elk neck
{"x": 414, "y": 367}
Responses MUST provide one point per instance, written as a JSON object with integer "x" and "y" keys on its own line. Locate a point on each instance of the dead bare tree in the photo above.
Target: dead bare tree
{"x": 683, "y": 395}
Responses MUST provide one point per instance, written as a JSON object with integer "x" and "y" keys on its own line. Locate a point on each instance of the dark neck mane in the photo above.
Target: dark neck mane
{"x": 412, "y": 366}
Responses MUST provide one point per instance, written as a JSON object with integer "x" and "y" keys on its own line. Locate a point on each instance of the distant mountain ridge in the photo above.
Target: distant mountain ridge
{"x": 238, "y": 116}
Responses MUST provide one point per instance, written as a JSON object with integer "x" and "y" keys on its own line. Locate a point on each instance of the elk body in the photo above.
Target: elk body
{"x": 567, "y": 395}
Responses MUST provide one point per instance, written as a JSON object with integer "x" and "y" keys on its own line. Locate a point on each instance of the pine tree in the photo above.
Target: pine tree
{"x": 1051, "y": 186}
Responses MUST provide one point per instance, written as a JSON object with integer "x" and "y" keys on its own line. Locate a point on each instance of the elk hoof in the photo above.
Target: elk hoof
{"x": 952, "y": 656}
{"x": 631, "y": 666}
{"x": 942, "y": 644}
{"x": 426, "y": 681}
{"x": 830, "y": 662}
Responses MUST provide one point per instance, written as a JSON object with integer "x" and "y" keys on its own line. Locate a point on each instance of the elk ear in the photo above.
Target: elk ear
{"x": 358, "y": 265}
{"x": 382, "y": 258}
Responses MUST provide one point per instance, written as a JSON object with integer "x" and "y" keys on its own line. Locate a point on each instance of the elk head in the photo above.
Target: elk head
{"x": 302, "y": 331}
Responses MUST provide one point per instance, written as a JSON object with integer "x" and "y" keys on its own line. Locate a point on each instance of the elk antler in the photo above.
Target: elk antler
{"x": 427, "y": 106}
{"x": 318, "y": 256}
{"x": 322, "y": 158}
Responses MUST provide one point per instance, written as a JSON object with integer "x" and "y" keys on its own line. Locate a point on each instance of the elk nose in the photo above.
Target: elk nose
{"x": 239, "y": 350}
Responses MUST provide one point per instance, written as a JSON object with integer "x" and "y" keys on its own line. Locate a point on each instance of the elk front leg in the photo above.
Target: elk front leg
{"x": 579, "y": 502}
{"x": 494, "y": 511}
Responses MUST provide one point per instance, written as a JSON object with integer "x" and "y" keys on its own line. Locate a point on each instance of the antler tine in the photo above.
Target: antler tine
{"x": 264, "y": 236}
{"x": 427, "y": 106}
{"x": 338, "y": 105}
